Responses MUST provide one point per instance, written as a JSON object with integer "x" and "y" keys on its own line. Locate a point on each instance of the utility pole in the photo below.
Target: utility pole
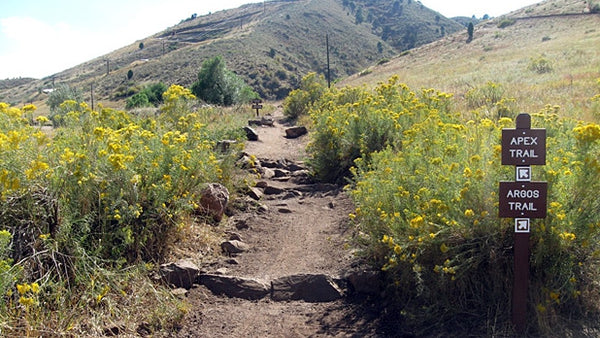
{"x": 328, "y": 68}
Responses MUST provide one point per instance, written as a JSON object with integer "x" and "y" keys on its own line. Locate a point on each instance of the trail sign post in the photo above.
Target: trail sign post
{"x": 522, "y": 200}
{"x": 256, "y": 104}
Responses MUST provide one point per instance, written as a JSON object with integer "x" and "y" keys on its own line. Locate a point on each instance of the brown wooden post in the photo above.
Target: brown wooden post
{"x": 522, "y": 200}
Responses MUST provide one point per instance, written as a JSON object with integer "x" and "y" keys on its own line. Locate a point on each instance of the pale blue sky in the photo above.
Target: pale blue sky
{"x": 41, "y": 37}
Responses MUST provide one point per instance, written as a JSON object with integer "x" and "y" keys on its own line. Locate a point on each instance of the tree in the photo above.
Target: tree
{"x": 470, "y": 30}
{"x": 217, "y": 85}
{"x": 141, "y": 45}
{"x": 129, "y": 74}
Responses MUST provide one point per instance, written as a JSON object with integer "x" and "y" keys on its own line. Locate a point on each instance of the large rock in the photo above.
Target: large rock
{"x": 238, "y": 287}
{"x": 307, "y": 287}
{"x": 181, "y": 274}
{"x": 213, "y": 200}
{"x": 295, "y": 132}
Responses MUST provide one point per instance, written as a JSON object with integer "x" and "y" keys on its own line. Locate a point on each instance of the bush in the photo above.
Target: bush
{"x": 491, "y": 98}
{"x": 299, "y": 101}
{"x": 106, "y": 192}
{"x": 425, "y": 182}
{"x": 353, "y": 122}
{"x": 217, "y": 85}
{"x": 149, "y": 96}
{"x": 55, "y": 102}
{"x": 506, "y": 23}
{"x": 540, "y": 65}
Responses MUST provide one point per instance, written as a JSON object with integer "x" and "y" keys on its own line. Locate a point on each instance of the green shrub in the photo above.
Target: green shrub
{"x": 58, "y": 97}
{"x": 491, "y": 98}
{"x": 299, "y": 101}
{"x": 540, "y": 65}
{"x": 506, "y": 23}
{"x": 149, "y": 96}
{"x": 218, "y": 85}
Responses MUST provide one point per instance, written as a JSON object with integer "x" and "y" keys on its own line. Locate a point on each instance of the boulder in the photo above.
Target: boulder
{"x": 237, "y": 287}
{"x": 251, "y": 134}
{"x": 295, "y": 132}
{"x": 180, "y": 274}
{"x": 310, "y": 288}
{"x": 213, "y": 200}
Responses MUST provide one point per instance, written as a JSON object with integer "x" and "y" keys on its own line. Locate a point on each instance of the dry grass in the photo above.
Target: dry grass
{"x": 503, "y": 56}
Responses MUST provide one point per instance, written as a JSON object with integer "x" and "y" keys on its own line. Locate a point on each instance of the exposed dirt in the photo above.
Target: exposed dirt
{"x": 298, "y": 234}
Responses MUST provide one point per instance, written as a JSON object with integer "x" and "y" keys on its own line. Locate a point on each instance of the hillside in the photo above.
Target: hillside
{"x": 561, "y": 33}
{"x": 271, "y": 45}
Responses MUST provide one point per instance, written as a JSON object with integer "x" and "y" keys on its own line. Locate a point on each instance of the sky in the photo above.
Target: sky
{"x": 39, "y": 38}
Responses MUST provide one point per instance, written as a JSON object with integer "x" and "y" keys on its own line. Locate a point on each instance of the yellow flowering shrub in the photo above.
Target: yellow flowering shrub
{"x": 425, "y": 186}
{"x": 107, "y": 189}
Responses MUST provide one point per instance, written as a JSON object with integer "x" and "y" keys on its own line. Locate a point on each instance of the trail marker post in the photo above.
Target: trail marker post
{"x": 256, "y": 104}
{"x": 522, "y": 200}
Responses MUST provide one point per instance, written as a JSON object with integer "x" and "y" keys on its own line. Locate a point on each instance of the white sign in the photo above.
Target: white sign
{"x": 522, "y": 225}
{"x": 523, "y": 174}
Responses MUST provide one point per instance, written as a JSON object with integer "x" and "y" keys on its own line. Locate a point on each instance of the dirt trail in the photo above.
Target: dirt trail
{"x": 303, "y": 231}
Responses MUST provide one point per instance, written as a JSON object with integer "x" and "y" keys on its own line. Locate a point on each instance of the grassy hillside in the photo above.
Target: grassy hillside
{"x": 560, "y": 34}
{"x": 271, "y": 45}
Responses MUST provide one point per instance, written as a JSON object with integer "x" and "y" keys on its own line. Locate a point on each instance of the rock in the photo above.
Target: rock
{"x": 268, "y": 173}
{"x": 232, "y": 261}
{"x": 181, "y": 274}
{"x": 241, "y": 224}
{"x": 284, "y": 210}
{"x": 251, "y": 134}
{"x": 255, "y": 193}
{"x": 271, "y": 190}
{"x": 262, "y": 184}
{"x": 225, "y": 145}
{"x": 213, "y": 200}
{"x": 234, "y": 236}
{"x": 307, "y": 287}
{"x": 263, "y": 208}
{"x": 365, "y": 281}
{"x": 245, "y": 288}
{"x": 280, "y": 173}
{"x": 264, "y": 121}
{"x": 179, "y": 292}
{"x": 267, "y": 120}
{"x": 234, "y": 247}
{"x": 294, "y": 167}
{"x": 295, "y": 132}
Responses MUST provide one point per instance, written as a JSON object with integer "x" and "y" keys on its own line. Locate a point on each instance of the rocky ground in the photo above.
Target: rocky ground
{"x": 288, "y": 269}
